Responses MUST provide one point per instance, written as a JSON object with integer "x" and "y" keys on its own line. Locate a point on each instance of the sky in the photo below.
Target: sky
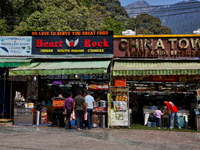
{"x": 150, "y": 2}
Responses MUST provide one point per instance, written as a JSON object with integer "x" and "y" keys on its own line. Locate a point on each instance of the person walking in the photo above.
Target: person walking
{"x": 174, "y": 112}
{"x": 78, "y": 107}
{"x": 89, "y": 100}
{"x": 68, "y": 105}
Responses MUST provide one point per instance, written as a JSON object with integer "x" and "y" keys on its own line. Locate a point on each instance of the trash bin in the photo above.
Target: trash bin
{"x": 38, "y": 118}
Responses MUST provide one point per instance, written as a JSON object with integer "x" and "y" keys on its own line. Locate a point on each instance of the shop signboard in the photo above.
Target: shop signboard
{"x": 120, "y": 83}
{"x": 15, "y": 45}
{"x": 72, "y": 43}
{"x": 164, "y": 78}
{"x": 98, "y": 86}
{"x": 189, "y": 78}
{"x": 157, "y": 46}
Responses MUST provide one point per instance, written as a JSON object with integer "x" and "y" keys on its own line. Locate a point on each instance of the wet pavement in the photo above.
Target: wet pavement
{"x": 41, "y": 138}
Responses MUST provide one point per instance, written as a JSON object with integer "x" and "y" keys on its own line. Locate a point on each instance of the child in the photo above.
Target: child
{"x": 158, "y": 114}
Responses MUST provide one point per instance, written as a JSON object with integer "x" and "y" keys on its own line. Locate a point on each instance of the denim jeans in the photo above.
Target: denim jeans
{"x": 79, "y": 118}
{"x": 89, "y": 117}
{"x": 68, "y": 122}
{"x": 177, "y": 119}
{"x": 157, "y": 122}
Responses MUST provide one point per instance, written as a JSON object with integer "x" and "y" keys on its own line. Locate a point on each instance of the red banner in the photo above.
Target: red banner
{"x": 120, "y": 83}
{"x": 58, "y": 104}
{"x": 165, "y": 78}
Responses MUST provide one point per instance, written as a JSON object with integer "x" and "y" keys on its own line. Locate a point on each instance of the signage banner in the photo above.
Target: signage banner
{"x": 120, "y": 83}
{"x": 189, "y": 78}
{"x": 15, "y": 45}
{"x": 72, "y": 42}
{"x": 157, "y": 46}
{"x": 98, "y": 86}
{"x": 164, "y": 78}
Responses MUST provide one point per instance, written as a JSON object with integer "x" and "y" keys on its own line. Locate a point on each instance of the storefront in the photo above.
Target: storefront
{"x": 67, "y": 62}
{"x": 158, "y": 68}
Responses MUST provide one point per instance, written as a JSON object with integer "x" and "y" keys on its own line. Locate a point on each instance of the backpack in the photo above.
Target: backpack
{"x": 152, "y": 118}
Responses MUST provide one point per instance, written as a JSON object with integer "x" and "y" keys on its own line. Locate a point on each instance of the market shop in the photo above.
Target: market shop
{"x": 13, "y": 53}
{"x": 67, "y": 62}
{"x": 156, "y": 68}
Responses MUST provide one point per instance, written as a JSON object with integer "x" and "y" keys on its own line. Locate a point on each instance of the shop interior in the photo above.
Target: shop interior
{"x": 148, "y": 92}
{"x": 50, "y": 89}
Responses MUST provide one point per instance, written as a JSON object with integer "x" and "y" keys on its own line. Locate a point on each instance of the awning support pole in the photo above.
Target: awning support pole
{"x": 10, "y": 99}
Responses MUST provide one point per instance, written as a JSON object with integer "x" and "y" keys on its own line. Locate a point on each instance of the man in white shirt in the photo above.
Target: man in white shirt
{"x": 89, "y": 100}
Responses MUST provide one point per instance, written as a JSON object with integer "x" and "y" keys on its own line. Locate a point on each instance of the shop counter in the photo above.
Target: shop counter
{"x": 23, "y": 116}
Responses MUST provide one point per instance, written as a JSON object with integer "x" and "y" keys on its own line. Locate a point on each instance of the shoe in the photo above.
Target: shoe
{"x": 158, "y": 127}
{"x": 170, "y": 127}
{"x": 179, "y": 128}
{"x": 78, "y": 129}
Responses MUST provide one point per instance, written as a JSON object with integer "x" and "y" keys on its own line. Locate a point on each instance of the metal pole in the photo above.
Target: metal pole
{"x": 10, "y": 100}
{"x": 4, "y": 91}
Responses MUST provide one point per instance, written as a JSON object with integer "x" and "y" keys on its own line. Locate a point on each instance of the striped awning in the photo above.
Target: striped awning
{"x": 127, "y": 68}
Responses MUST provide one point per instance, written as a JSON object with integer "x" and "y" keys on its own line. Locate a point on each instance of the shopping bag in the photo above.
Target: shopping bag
{"x": 72, "y": 116}
{"x": 85, "y": 116}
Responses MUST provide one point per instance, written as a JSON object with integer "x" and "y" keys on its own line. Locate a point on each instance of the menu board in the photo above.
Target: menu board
{"x": 120, "y": 105}
{"x": 119, "y": 118}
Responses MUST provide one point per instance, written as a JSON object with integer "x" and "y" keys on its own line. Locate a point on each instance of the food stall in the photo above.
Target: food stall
{"x": 99, "y": 89}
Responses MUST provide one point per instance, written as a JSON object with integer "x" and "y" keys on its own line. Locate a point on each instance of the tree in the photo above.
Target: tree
{"x": 112, "y": 25}
{"x": 147, "y": 24}
{"x": 98, "y": 13}
{"x": 53, "y": 18}
{"x": 114, "y": 7}
{"x": 3, "y": 27}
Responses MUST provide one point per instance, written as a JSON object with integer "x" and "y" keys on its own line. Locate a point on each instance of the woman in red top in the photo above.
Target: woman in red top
{"x": 174, "y": 112}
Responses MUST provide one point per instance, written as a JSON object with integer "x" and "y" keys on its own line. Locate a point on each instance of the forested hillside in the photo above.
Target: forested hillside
{"x": 17, "y": 17}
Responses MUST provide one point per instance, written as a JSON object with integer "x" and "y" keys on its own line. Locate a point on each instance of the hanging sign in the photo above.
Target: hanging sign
{"x": 120, "y": 83}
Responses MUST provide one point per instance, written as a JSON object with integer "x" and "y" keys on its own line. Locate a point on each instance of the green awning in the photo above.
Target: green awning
{"x": 57, "y": 68}
{"x": 8, "y": 62}
{"x": 127, "y": 68}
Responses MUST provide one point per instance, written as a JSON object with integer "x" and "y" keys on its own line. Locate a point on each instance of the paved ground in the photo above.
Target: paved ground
{"x": 54, "y": 138}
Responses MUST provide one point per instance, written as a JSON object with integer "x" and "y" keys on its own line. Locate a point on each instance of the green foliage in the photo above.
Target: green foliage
{"x": 147, "y": 24}
{"x": 55, "y": 19}
{"x": 3, "y": 27}
{"x": 70, "y": 15}
{"x": 112, "y": 25}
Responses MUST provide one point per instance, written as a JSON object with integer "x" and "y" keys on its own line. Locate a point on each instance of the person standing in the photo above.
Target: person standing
{"x": 89, "y": 100}
{"x": 158, "y": 114}
{"x": 68, "y": 105}
{"x": 174, "y": 112}
{"x": 78, "y": 107}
